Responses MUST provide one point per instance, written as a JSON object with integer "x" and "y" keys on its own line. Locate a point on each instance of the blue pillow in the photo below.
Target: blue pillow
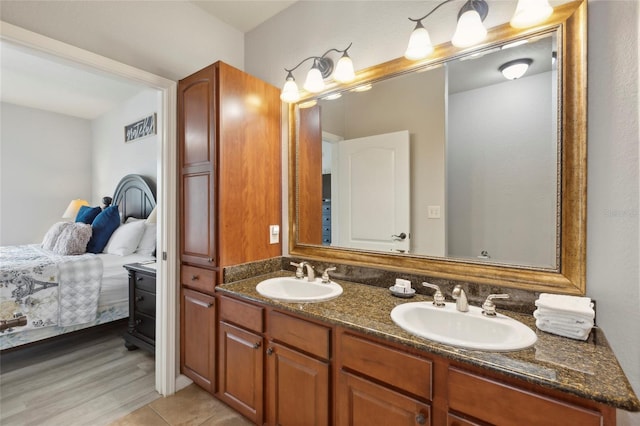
{"x": 103, "y": 226}
{"x": 86, "y": 214}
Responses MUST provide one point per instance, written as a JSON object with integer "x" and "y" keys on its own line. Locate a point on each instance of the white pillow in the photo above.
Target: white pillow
{"x": 125, "y": 239}
{"x": 148, "y": 241}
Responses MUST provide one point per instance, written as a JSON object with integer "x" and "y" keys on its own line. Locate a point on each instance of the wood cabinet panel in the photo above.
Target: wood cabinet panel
{"x": 249, "y": 162}
{"x": 498, "y": 403}
{"x": 240, "y": 364}
{"x": 195, "y": 130}
{"x": 306, "y": 336}
{"x": 310, "y": 176}
{"x": 297, "y": 388}
{"x": 399, "y": 369}
{"x": 242, "y": 314}
{"x": 197, "y": 332}
{"x": 198, "y": 278}
{"x": 197, "y": 219}
{"x": 361, "y": 402}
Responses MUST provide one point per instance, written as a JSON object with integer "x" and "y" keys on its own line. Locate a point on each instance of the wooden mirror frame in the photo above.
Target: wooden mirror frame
{"x": 570, "y": 22}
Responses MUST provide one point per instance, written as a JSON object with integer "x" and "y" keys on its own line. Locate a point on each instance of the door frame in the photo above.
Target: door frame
{"x": 167, "y": 291}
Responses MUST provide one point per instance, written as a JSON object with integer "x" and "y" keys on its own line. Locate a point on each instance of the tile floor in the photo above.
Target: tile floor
{"x": 190, "y": 406}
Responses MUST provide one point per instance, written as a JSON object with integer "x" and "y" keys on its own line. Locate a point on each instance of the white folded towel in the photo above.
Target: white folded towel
{"x": 566, "y": 304}
{"x": 564, "y": 315}
{"x": 571, "y": 332}
{"x": 553, "y": 318}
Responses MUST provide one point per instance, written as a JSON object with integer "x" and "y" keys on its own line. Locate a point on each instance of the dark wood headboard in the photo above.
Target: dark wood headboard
{"x": 135, "y": 196}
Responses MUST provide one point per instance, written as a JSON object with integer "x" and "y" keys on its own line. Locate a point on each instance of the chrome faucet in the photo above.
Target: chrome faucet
{"x": 300, "y": 267}
{"x": 462, "y": 304}
{"x": 438, "y": 297}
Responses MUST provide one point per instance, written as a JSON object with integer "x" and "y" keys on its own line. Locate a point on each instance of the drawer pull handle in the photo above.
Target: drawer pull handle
{"x": 421, "y": 419}
{"x": 139, "y": 299}
{"x": 210, "y": 260}
{"x": 138, "y": 321}
{"x": 256, "y": 345}
{"x": 201, "y": 303}
{"x": 195, "y": 277}
{"x": 139, "y": 278}
{"x": 269, "y": 351}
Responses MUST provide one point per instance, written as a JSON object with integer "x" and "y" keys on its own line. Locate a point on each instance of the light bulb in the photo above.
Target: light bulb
{"x": 290, "y": 93}
{"x": 530, "y": 12}
{"x": 314, "y": 82}
{"x": 470, "y": 30}
{"x": 344, "y": 72}
{"x": 419, "y": 43}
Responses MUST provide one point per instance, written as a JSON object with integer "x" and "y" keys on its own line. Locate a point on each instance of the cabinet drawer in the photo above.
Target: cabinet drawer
{"x": 301, "y": 334}
{"x": 198, "y": 278}
{"x": 242, "y": 314}
{"x": 145, "y": 325}
{"x": 145, "y": 282}
{"x": 499, "y": 403}
{"x": 144, "y": 302}
{"x": 399, "y": 369}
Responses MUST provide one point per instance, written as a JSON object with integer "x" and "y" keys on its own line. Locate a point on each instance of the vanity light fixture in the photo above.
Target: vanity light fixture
{"x": 322, "y": 68}
{"x": 515, "y": 69}
{"x": 468, "y": 32}
{"x": 530, "y": 12}
{"x": 470, "y": 29}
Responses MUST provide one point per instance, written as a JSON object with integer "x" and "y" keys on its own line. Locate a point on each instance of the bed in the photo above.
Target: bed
{"x": 44, "y": 294}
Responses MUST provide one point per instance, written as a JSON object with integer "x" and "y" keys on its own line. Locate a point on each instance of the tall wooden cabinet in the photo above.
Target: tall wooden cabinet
{"x": 230, "y": 191}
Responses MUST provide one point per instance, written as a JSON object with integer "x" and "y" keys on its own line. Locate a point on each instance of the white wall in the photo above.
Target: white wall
{"x": 613, "y": 256}
{"x": 380, "y": 31}
{"x": 45, "y": 162}
{"x": 112, "y": 158}
{"x": 171, "y": 39}
{"x": 501, "y": 176}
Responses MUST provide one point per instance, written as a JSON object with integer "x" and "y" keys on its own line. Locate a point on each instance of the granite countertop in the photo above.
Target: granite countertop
{"x": 586, "y": 369}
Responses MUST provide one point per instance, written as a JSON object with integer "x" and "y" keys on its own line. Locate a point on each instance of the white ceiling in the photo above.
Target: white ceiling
{"x": 243, "y": 15}
{"x": 35, "y": 80}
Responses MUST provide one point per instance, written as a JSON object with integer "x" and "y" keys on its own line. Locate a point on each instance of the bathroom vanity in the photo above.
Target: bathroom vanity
{"x": 344, "y": 361}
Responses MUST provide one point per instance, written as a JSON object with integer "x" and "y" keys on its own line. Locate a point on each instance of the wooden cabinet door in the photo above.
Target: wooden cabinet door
{"x": 297, "y": 388}
{"x": 361, "y": 402}
{"x": 197, "y": 330}
{"x": 197, "y": 153}
{"x": 240, "y": 364}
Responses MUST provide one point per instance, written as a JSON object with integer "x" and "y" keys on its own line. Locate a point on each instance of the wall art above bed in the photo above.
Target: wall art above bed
{"x": 140, "y": 129}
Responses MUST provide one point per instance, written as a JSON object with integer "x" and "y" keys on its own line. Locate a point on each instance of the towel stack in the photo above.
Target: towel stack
{"x": 568, "y": 316}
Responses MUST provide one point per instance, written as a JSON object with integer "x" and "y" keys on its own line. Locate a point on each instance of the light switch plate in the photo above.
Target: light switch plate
{"x": 433, "y": 212}
{"x": 274, "y": 234}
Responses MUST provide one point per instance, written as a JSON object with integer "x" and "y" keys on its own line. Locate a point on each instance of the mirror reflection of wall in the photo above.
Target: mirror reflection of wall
{"x": 483, "y": 156}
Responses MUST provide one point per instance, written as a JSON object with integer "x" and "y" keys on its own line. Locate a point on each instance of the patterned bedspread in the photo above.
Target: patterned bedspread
{"x": 49, "y": 289}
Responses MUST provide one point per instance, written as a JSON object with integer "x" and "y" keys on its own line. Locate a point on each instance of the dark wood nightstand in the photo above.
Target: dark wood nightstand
{"x": 141, "y": 332}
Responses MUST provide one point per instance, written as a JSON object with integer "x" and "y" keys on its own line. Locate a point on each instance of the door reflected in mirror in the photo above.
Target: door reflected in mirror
{"x": 452, "y": 162}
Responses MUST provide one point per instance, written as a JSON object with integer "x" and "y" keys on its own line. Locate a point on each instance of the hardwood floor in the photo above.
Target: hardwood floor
{"x": 93, "y": 380}
{"x": 90, "y": 379}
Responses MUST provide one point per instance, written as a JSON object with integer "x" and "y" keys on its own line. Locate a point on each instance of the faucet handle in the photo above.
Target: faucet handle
{"x": 299, "y": 269}
{"x": 488, "y": 307}
{"x": 438, "y": 297}
{"x": 325, "y": 275}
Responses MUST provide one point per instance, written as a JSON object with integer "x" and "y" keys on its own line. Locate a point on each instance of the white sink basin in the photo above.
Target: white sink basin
{"x": 289, "y": 289}
{"x": 469, "y": 330}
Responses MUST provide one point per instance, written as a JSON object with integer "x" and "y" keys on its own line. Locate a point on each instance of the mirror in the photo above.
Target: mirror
{"x": 467, "y": 180}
